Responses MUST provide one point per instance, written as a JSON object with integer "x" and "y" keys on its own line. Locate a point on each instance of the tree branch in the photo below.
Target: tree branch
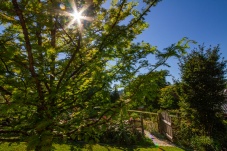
{"x": 70, "y": 61}
{"x": 7, "y": 69}
{"x": 28, "y": 47}
{"x": 15, "y": 59}
{"x": 114, "y": 24}
{"x": 97, "y": 122}
{"x": 5, "y": 91}
{"x": 144, "y": 12}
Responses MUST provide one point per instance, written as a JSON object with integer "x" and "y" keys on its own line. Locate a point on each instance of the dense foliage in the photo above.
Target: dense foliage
{"x": 203, "y": 83}
{"x": 145, "y": 90}
{"x": 169, "y": 97}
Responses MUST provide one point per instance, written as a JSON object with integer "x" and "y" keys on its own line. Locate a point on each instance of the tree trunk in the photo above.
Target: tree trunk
{"x": 45, "y": 141}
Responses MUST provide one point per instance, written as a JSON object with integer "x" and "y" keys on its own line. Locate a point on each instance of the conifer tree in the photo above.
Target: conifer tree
{"x": 203, "y": 83}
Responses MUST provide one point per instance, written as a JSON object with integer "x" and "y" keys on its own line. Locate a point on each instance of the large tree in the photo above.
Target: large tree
{"x": 203, "y": 83}
{"x": 56, "y": 66}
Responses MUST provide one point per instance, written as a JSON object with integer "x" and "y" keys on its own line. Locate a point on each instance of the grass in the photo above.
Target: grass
{"x": 85, "y": 147}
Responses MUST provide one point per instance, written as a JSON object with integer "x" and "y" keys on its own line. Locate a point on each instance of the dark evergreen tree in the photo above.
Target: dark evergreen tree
{"x": 114, "y": 96}
{"x": 203, "y": 77}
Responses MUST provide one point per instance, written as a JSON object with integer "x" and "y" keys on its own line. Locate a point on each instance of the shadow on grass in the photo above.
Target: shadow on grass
{"x": 125, "y": 148}
{"x": 80, "y": 146}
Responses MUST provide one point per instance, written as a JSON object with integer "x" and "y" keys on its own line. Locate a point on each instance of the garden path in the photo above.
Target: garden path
{"x": 158, "y": 141}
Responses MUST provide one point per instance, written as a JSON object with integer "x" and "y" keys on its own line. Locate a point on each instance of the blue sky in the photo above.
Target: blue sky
{"x": 204, "y": 21}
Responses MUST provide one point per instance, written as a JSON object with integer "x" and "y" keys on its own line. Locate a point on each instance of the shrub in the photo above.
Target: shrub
{"x": 202, "y": 143}
{"x": 124, "y": 134}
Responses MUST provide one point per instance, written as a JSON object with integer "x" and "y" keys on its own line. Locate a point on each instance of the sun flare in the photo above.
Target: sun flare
{"x": 77, "y": 15}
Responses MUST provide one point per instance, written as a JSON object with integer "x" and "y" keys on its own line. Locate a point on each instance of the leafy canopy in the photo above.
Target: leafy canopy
{"x": 54, "y": 72}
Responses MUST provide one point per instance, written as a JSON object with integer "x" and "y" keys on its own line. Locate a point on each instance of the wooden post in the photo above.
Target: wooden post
{"x": 159, "y": 122}
{"x": 141, "y": 119}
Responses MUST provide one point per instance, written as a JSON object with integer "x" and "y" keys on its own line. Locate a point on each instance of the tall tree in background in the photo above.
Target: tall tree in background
{"x": 203, "y": 78}
{"x": 169, "y": 97}
{"x": 55, "y": 64}
{"x": 145, "y": 90}
{"x": 114, "y": 96}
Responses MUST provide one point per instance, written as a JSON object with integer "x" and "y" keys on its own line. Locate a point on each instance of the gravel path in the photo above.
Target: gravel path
{"x": 158, "y": 141}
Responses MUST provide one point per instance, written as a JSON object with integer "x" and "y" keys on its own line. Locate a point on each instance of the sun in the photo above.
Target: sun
{"x": 77, "y": 15}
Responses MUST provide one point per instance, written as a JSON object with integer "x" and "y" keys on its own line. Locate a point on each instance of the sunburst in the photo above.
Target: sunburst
{"x": 75, "y": 15}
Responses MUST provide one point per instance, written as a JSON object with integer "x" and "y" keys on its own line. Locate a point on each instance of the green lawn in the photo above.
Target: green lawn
{"x": 97, "y": 147}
